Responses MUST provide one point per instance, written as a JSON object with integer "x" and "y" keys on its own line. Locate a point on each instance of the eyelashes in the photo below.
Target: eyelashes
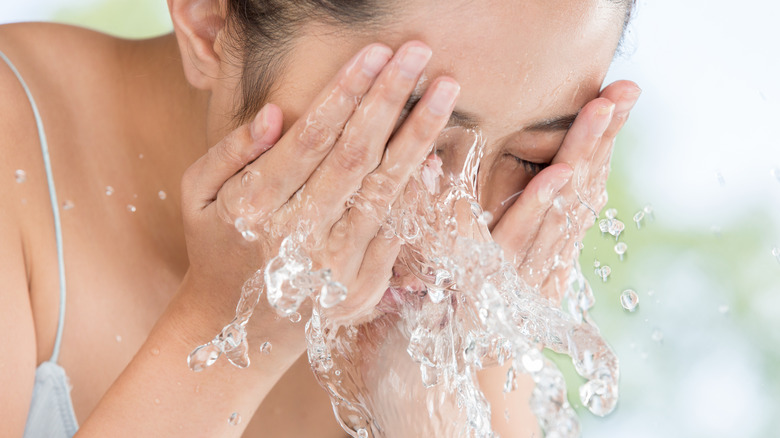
{"x": 531, "y": 168}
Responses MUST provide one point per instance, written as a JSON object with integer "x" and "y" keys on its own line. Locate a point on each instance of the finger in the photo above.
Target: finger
{"x": 282, "y": 171}
{"x": 518, "y": 227}
{"x": 405, "y": 153}
{"x": 203, "y": 180}
{"x": 365, "y": 137}
{"x": 372, "y": 279}
{"x": 543, "y": 253}
{"x": 625, "y": 95}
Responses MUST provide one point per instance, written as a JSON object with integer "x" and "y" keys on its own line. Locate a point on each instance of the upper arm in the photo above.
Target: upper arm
{"x": 18, "y": 348}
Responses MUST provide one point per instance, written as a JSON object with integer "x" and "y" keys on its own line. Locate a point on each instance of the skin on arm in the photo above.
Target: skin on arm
{"x": 18, "y": 353}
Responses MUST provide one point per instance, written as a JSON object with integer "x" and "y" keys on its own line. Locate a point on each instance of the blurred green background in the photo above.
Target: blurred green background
{"x": 700, "y": 355}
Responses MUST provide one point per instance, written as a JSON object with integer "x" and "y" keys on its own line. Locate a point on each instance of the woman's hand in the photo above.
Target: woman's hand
{"x": 543, "y": 247}
{"x": 270, "y": 184}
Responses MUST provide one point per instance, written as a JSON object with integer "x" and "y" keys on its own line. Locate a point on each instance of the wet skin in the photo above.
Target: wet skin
{"x": 545, "y": 61}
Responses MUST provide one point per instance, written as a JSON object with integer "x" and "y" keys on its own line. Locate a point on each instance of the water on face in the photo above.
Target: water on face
{"x": 472, "y": 311}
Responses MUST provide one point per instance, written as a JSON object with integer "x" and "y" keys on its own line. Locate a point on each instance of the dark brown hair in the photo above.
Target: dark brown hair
{"x": 261, "y": 32}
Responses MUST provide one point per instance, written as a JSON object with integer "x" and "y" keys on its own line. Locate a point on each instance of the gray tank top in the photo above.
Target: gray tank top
{"x": 51, "y": 409}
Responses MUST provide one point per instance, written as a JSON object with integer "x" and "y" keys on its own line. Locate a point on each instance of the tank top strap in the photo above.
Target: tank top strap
{"x": 54, "y": 206}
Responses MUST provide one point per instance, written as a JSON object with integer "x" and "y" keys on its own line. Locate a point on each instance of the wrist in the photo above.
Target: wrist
{"x": 195, "y": 317}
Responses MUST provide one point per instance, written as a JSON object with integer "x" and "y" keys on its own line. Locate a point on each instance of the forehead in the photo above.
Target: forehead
{"x": 518, "y": 60}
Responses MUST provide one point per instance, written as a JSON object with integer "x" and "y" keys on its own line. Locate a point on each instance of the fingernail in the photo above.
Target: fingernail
{"x": 552, "y": 188}
{"x": 627, "y": 101}
{"x": 260, "y": 124}
{"x": 375, "y": 59}
{"x": 414, "y": 59}
{"x": 603, "y": 117}
{"x": 443, "y": 98}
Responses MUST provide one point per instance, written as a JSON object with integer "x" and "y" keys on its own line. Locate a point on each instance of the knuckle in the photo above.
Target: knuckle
{"x": 353, "y": 157}
{"x": 392, "y": 93}
{"x": 228, "y": 152}
{"x": 316, "y": 136}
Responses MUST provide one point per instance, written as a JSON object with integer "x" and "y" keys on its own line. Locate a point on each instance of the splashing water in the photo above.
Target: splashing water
{"x": 472, "y": 311}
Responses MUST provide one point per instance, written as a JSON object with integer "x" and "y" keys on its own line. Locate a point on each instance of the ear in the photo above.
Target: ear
{"x": 198, "y": 25}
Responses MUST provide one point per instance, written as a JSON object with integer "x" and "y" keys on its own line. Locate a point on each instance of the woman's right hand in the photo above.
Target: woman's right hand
{"x": 340, "y": 146}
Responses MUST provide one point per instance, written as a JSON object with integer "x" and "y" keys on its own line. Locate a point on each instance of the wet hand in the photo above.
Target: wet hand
{"x": 268, "y": 184}
{"x": 538, "y": 232}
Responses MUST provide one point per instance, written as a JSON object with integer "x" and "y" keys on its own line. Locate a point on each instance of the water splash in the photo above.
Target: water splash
{"x": 20, "y": 176}
{"x": 109, "y": 190}
{"x": 235, "y": 419}
{"x": 472, "y": 311}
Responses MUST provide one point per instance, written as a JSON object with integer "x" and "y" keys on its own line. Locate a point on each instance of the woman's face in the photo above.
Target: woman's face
{"x": 525, "y": 67}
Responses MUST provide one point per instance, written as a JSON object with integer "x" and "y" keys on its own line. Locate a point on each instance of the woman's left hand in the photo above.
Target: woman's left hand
{"x": 534, "y": 232}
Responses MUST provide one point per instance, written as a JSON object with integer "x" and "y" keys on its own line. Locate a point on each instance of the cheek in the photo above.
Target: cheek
{"x": 501, "y": 181}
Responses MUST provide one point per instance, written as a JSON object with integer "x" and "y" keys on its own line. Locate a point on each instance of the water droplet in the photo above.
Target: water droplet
{"x": 723, "y": 309}
{"x": 337, "y": 372}
{"x": 131, "y": 208}
{"x": 578, "y": 245}
{"x": 265, "y": 348}
{"x": 247, "y": 178}
{"x": 234, "y": 419}
{"x": 776, "y": 253}
{"x": 620, "y": 249}
{"x": 629, "y": 300}
{"x": 118, "y": 338}
{"x": 362, "y": 433}
{"x": 611, "y": 213}
{"x": 616, "y": 227}
{"x": 242, "y": 226}
{"x": 295, "y": 317}
{"x": 596, "y": 263}
{"x": 776, "y": 173}
{"x": 605, "y": 272}
{"x": 649, "y": 213}
{"x": 109, "y": 190}
{"x": 155, "y": 351}
{"x": 604, "y": 225}
{"x": 650, "y": 293}
{"x": 157, "y": 401}
{"x": 162, "y": 195}
{"x": 639, "y": 217}
{"x": 20, "y": 176}
{"x": 657, "y": 336}
{"x": 532, "y": 361}
{"x": 332, "y": 293}
{"x": 721, "y": 179}
{"x": 68, "y": 205}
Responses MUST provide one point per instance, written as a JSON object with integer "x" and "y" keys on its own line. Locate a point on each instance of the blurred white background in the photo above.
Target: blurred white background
{"x": 701, "y": 148}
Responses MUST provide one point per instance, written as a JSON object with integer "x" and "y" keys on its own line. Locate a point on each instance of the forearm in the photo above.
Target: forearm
{"x": 158, "y": 395}
{"x": 520, "y": 421}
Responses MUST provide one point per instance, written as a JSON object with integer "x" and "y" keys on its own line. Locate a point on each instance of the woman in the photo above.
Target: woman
{"x": 149, "y": 142}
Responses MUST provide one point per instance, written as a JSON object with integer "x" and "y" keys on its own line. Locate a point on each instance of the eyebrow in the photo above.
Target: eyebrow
{"x": 469, "y": 120}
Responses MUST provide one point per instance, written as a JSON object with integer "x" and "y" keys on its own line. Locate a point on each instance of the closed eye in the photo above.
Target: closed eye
{"x": 530, "y": 167}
